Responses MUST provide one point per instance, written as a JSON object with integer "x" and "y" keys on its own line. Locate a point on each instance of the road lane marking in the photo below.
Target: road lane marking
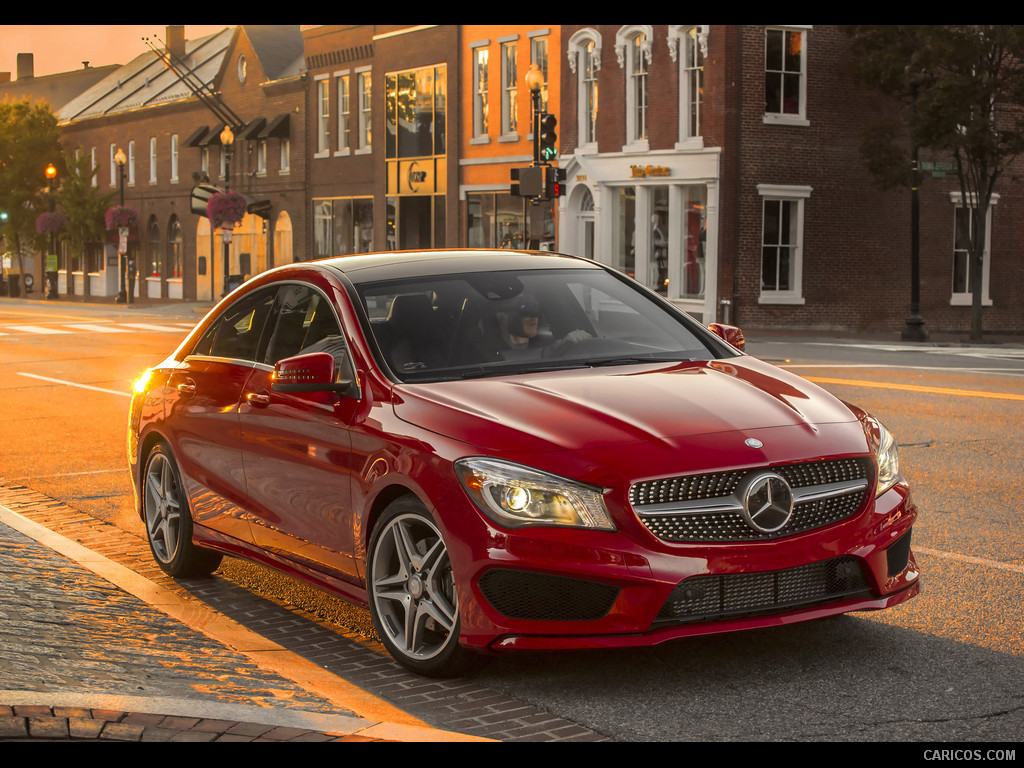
{"x": 970, "y": 559}
{"x": 917, "y": 388}
{"x": 75, "y": 384}
{"x": 36, "y": 329}
{"x": 97, "y": 328}
{"x": 148, "y": 327}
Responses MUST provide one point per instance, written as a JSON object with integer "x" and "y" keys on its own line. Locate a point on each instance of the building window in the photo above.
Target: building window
{"x": 692, "y": 47}
{"x": 480, "y": 92}
{"x": 94, "y": 179}
{"x": 963, "y": 231}
{"x": 286, "y": 155}
{"x": 342, "y": 226}
{"x": 175, "y": 240}
{"x": 539, "y": 56}
{"x": 113, "y": 166}
{"x": 131, "y": 163}
{"x": 323, "y": 114}
{"x": 152, "y": 160}
{"x": 782, "y": 226}
{"x": 344, "y": 115}
{"x": 261, "y": 157}
{"x": 633, "y": 46}
{"x": 365, "y": 114}
{"x": 509, "y": 79}
{"x": 785, "y": 61}
{"x": 585, "y": 63}
{"x": 174, "y": 158}
{"x": 495, "y": 220}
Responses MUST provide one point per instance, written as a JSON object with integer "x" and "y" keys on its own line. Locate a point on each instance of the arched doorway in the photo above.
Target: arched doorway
{"x": 174, "y": 268}
{"x": 282, "y": 240}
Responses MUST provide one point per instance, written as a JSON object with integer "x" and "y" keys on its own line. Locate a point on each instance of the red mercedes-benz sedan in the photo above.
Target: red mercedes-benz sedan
{"x": 496, "y": 450}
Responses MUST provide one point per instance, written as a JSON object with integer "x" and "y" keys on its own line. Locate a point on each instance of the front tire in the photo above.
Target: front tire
{"x": 169, "y": 521}
{"x": 411, "y": 586}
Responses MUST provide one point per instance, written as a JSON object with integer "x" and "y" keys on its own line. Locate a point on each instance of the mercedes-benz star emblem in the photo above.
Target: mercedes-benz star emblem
{"x": 767, "y": 502}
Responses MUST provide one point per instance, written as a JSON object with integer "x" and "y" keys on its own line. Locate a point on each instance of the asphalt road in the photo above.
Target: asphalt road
{"x": 945, "y": 667}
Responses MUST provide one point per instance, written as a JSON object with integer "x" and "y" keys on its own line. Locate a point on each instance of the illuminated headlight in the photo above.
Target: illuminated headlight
{"x": 883, "y": 444}
{"x": 516, "y": 496}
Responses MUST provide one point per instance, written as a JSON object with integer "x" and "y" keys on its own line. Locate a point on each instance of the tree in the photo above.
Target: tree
{"x": 29, "y": 141}
{"x": 84, "y": 208}
{"x": 962, "y": 89}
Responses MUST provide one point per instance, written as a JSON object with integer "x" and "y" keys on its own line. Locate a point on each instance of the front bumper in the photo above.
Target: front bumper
{"x": 560, "y": 589}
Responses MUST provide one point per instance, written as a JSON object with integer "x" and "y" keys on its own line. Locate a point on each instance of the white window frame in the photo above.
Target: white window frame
{"x": 481, "y": 57}
{"x": 633, "y": 46}
{"x": 343, "y": 89}
{"x": 585, "y": 43}
{"x": 286, "y": 156}
{"x": 261, "y": 157}
{"x": 797, "y": 195}
{"x": 966, "y": 298}
{"x": 174, "y": 158}
{"x": 323, "y": 117}
{"x": 152, "y": 159}
{"x": 538, "y": 51}
{"x": 687, "y": 45}
{"x": 364, "y": 83}
{"x": 131, "y": 163}
{"x": 94, "y": 180}
{"x": 800, "y": 116}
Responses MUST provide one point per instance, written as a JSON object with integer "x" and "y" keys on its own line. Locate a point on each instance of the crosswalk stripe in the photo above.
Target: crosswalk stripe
{"x": 97, "y": 328}
{"x": 36, "y": 329}
{"x": 148, "y": 327}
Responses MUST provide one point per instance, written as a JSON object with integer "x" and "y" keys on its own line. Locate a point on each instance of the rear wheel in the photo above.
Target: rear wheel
{"x": 169, "y": 521}
{"x": 411, "y": 585}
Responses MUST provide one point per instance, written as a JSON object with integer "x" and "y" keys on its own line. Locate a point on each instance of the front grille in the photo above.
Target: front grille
{"x": 707, "y": 508}
{"x": 543, "y": 597}
{"x": 710, "y": 597}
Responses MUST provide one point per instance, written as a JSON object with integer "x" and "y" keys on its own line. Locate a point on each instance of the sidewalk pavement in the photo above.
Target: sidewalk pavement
{"x": 84, "y": 658}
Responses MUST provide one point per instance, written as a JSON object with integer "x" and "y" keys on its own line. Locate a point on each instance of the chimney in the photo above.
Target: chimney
{"x": 26, "y": 66}
{"x": 176, "y": 40}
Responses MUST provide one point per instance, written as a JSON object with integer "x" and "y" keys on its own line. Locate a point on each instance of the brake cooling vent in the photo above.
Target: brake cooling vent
{"x": 710, "y": 597}
{"x": 543, "y": 597}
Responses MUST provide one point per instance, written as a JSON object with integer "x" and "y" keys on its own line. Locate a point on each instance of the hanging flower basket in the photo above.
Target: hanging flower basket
{"x": 50, "y": 221}
{"x": 119, "y": 216}
{"x": 225, "y": 208}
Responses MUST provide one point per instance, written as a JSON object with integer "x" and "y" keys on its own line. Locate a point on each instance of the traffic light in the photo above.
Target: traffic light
{"x": 554, "y": 182}
{"x": 547, "y": 137}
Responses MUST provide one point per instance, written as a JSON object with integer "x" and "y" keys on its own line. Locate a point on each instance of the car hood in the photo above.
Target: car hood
{"x": 586, "y": 409}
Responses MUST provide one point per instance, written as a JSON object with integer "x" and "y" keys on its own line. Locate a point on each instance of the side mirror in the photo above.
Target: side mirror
{"x": 312, "y": 372}
{"x": 729, "y": 333}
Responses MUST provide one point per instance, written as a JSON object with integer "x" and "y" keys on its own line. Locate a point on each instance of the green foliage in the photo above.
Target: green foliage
{"x": 962, "y": 91}
{"x": 84, "y": 207}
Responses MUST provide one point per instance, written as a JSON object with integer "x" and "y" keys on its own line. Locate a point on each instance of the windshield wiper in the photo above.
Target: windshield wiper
{"x": 604, "y": 361}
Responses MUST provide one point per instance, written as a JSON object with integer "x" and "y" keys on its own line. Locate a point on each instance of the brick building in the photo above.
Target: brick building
{"x": 169, "y": 125}
{"x": 721, "y": 166}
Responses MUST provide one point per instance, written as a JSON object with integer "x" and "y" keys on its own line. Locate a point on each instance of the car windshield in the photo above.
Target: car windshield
{"x": 498, "y": 323}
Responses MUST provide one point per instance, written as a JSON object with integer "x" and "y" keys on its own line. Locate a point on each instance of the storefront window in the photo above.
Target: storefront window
{"x": 624, "y": 235}
{"x": 694, "y": 242}
{"x": 495, "y": 221}
{"x": 342, "y": 226}
{"x": 415, "y": 115}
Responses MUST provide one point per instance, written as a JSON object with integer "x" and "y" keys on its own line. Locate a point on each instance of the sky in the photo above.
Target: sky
{"x": 62, "y": 48}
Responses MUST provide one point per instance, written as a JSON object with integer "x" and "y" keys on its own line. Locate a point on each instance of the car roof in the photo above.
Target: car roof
{"x": 389, "y": 265}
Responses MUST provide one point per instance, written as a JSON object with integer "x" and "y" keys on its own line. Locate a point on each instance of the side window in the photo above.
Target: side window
{"x": 306, "y": 323}
{"x": 236, "y": 333}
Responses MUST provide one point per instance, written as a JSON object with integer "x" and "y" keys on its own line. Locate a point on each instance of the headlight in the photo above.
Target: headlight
{"x": 883, "y": 444}
{"x": 516, "y": 496}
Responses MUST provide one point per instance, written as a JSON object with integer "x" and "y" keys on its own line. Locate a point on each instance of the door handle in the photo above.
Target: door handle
{"x": 258, "y": 399}
{"x": 187, "y": 388}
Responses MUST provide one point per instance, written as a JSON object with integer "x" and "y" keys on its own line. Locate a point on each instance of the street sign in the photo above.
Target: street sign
{"x": 937, "y": 168}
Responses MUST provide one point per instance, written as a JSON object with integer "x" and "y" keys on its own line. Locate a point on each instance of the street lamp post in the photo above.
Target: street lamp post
{"x": 227, "y": 138}
{"x": 122, "y": 261}
{"x": 51, "y": 275}
{"x": 534, "y": 80}
{"x": 913, "y": 329}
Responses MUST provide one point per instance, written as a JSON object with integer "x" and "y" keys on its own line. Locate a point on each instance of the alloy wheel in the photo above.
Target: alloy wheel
{"x": 413, "y": 589}
{"x": 163, "y": 507}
